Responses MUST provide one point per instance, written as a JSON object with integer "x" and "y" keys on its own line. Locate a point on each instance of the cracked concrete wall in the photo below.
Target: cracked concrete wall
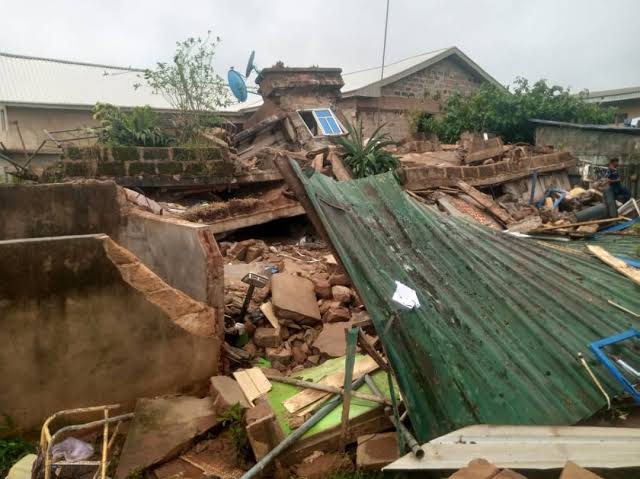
{"x": 83, "y": 322}
{"x": 183, "y": 254}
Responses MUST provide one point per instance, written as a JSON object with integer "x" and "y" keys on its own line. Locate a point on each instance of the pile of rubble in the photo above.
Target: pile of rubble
{"x": 298, "y": 319}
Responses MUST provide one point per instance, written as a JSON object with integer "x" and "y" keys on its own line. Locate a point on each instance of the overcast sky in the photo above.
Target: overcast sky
{"x": 590, "y": 44}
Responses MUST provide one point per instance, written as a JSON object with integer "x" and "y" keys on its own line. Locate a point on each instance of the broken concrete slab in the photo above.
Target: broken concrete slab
{"x": 573, "y": 471}
{"x": 324, "y": 465}
{"x": 161, "y": 429}
{"x": 331, "y": 340}
{"x": 377, "y": 450}
{"x": 294, "y": 298}
{"x": 225, "y": 392}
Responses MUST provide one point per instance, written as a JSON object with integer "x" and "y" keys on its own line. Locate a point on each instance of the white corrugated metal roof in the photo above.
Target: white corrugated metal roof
{"x": 44, "y": 81}
{"x": 49, "y": 82}
{"x": 361, "y": 78}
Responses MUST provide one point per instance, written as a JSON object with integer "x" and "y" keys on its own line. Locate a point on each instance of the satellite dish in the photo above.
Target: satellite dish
{"x": 237, "y": 85}
{"x": 250, "y": 65}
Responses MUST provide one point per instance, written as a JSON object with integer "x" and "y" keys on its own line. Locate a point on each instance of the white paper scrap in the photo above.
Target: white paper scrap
{"x": 406, "y": 296}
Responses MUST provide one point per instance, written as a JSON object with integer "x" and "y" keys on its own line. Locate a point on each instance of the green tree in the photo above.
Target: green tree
{"x": 496, "y": 110}
{"x": 191, "y": 86}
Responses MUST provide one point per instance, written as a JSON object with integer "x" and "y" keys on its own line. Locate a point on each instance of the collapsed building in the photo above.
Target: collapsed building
{"x": 470, "y": 324}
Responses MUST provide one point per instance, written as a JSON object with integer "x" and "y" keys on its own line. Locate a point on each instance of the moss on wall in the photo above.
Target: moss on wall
{"x": 111, "y": 169}
{"x": 139, "y": 167}
{"x": 170, "y": 167}
{"x": 125, "y": 153}
{"x": 155, "y": 153}
{"x": 78, "y": 168}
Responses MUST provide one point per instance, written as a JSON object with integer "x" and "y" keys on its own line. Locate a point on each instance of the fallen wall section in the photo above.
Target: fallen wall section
{"x": 83, "y": 322}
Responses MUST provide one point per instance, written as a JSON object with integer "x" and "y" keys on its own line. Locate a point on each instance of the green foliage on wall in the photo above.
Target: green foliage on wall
{"x": 507, "y": 113}
{"x": 366, "y": 157}
{"x": 137, "y": 127}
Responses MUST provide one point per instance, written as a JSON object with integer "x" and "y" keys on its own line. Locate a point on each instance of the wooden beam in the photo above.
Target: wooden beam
{"x": 584, "y": 223}
{"x": 339, "y": 170}
{"x": 487, "y": 203}
{"x": 620, "y": 266}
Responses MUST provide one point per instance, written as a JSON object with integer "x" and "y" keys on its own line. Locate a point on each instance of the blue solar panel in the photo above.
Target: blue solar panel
{"x": 323, "y": 113}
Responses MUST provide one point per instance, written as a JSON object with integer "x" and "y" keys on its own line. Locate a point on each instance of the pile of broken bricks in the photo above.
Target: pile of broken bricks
{"x": 298, "y": 320}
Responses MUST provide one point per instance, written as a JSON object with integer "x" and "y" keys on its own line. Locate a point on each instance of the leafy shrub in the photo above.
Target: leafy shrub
{"x": 138, "y": 127}
{"x": 365, "y": 158}
{"x": 191, "y": 86}
{"x": 493, "y": 109}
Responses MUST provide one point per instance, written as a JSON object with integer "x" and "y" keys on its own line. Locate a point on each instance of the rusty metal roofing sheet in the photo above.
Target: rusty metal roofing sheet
{"x": 500, "y": 318}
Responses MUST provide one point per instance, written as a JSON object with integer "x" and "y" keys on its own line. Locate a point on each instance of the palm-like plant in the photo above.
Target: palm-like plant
{"x": 365, "y": 158}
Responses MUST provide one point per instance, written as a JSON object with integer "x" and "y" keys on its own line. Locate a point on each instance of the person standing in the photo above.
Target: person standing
{"x": 620, "y": 192}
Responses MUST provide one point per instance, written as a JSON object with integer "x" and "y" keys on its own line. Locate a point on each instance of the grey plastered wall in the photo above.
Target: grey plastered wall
{"x": 82, "y": 323}
{"x": 182, "y": 253}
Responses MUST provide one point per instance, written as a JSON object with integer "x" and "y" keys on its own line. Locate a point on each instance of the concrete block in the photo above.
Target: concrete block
{"x": 161, "y": 429}
{"x": 267, "y": 337}
{"x": 263, "y": 431}
{"x": 294, "y": 297}
{"x": 331, "y": 341}
{"x": 376, "y": 450}
{"x": 335, "y": 315}
{"x": 226, "y": 392}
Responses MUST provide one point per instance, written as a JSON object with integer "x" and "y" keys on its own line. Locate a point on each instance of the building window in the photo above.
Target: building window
{"x": 322, "y": 122}
{"x": 4, "y": 123}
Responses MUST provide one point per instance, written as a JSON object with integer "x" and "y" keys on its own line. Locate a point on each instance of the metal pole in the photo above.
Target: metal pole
{"x": 411, "y": 441}
{"x": 298, "y": 433}
{"x": 247, "y": 300}
{"x": 384, "y": 53}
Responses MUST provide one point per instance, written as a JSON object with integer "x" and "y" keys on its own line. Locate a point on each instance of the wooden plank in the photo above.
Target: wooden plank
{"x": 253, "y": 383}
{"x": 584, "y": 223}
{"x": 620, "y": 266}
{"x": 487, "y": 203}
{"x": 309, "y": 396}
{"x": 339, "y": 170}
{"x": 269, "y": 313}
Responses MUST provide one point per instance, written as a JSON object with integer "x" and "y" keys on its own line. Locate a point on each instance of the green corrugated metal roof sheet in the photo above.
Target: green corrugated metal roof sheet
{"x": 501, "y": 318}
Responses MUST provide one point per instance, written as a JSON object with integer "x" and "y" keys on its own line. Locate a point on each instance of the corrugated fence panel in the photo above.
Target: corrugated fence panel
{"x": 501, "y": 318}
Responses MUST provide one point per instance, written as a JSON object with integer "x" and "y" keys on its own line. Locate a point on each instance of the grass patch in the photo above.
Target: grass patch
{"x": 11, "y": 451}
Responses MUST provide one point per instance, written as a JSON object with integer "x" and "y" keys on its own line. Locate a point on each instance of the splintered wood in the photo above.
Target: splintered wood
{"x": 253, "y": 383}
{"x": 310, "y": 396}
{"x": 487, "y": 203}
{"x": 620, "y": 266}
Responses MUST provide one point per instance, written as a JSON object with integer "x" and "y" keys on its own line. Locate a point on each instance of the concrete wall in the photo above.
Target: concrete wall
{"x": 83, "y": 322}
{"x": 182, "y": 253}
{"x": 59, "y": 209}
{"x": 593, "y": 146}
{"x": 33, "y": 120}
{"x": 437, "y": 81}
